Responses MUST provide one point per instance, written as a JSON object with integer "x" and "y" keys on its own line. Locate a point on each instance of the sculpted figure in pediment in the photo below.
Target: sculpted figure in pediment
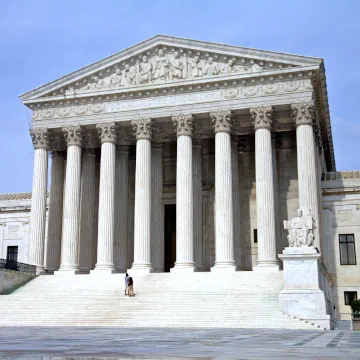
{"x": 129, "y": 75}
{"x": 255, "y": 67}
{"x": 162, "y": 67}
{"x": 145, "y": 70}
{"x": 177, "y": 67}
{"x": 195, "y": 66}
{"x": 230, "y": 67}
{"x": 211, "y": 67}
{"x": 116, "y": 79}
{"x": 97, "y": 83}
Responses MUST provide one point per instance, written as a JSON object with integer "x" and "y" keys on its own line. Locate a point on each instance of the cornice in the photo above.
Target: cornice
{"x": 181, "y": 85}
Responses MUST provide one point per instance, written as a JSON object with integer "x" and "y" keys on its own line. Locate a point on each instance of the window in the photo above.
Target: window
{"x": 255, "y": 236}
{"x": 349, "y": 297}
{"x": 347, "y": 249}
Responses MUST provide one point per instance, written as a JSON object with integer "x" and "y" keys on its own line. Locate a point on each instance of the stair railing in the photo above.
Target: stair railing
{"x": 17, "y": 266}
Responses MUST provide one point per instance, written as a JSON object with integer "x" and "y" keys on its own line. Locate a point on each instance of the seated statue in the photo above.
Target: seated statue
{"x": 300, "y": 230}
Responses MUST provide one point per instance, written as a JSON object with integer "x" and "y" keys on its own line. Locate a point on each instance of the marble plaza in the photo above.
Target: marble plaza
{"x": 205, "y": 170}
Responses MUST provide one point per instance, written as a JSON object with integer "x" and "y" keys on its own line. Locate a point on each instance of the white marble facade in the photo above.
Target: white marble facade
{"x": 236, "y": 138}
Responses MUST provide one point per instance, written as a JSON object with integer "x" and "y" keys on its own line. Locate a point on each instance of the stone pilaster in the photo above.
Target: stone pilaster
{"x": 265, "y": 203}
{"x": 198, "y": 205}
{"x": 224, "y": 227}
{"x": 40, "y": 139}
{"x": 184, "y": 125}
{"x": 121, "y": 208}
{"x": 74, "y": 136}
{"x": 105, "y": 256}
{"x": 87, "y": 210}
{"x": 142, "y": 213}
{"x": 53, "y": 245}
{"x": 157, "y": 222}
{"x": 236, "y": 200}
{"x": 303, "y": 115}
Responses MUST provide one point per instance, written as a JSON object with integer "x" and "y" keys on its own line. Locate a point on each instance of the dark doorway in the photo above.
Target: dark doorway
{"x": 170, "y": 236}
{"x": 11, "y": 257}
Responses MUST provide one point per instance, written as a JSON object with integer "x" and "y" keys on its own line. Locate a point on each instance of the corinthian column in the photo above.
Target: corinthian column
{"x": 236, "y": 200}
{"x": 108, "y": 134}
{"x": 53, "y": 245}
{"x": 265, "y": 200}
{"x": 183, "y": 125}
{"x": 87, "y": 210}
{"x": 38, "y": 199}
{"x": 142, "y": 213}
{"x": 224, "y": 231}
{"x": 303, "y": 115}
{"x": 157, "y": 223}
{"x": 197, "y": 186}
{"x": 71, "y": 215}
{"x": 121, "y": 208}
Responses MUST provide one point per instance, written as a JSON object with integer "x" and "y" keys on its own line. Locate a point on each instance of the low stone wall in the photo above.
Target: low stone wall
{"x": 11, "y": 280}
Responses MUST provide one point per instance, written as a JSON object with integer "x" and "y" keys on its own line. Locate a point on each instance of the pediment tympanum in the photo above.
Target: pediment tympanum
{"x": 164, "y": 60}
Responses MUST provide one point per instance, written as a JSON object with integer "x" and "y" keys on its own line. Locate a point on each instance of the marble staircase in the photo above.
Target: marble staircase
{"x": 207, "y": 299}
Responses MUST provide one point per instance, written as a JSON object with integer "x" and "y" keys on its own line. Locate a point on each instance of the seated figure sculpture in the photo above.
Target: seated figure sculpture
{"x": 300, "y": 230}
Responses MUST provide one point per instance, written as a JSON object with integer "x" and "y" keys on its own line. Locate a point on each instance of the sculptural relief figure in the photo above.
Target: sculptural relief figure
{"x": 256, "y": 67}
{"x": 145, "y": 71}
{"x": 115, "y": 79}
{"x": 195, "y": 66}
{"x": 177, "y": 67}
{"x": 211, "y": 68}
{"x": 162, "y": 67}
{"x": 300, "y": 230}
{"x": 129, "y": 75}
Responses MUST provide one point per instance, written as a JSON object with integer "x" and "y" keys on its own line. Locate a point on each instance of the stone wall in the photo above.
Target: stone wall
{"x": 11, "y": 280}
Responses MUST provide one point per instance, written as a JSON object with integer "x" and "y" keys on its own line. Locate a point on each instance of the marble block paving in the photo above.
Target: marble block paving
{"x": 56, "y": 343}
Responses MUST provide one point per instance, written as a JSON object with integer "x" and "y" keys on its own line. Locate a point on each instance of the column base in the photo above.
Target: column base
{"x": 70, "y": 268}
{"x": 83, "y": 271}
{"x": 141, "y": 268}
{"x": 271, "y": 266}
{"x": 224, "y": 266}
{"x": 182, "y": 268}
{"x": 104, "y": 267}
{"x": 40, "y": 270}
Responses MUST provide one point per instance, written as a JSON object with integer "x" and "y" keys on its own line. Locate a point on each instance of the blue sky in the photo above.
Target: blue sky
{"x": 41, "y": 40}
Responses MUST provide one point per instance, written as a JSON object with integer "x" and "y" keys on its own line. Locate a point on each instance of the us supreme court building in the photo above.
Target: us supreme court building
{"x": 177, "y": 155}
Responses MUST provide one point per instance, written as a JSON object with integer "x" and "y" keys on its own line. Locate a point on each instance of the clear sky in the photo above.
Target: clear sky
{"x": 41, "y": 40}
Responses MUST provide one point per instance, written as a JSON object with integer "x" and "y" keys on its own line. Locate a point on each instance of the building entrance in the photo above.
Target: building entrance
{"x": 170, "y": 236}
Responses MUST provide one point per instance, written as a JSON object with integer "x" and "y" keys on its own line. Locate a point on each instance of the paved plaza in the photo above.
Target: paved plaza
{"x": 121, "y": 343}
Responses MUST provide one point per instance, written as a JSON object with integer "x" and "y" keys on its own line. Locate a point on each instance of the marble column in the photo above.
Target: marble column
{"x": 157, "y": 222}
{"x": 224, "y": 212}
{"x": 303, "y": 114}
{"x": 121, "y": 208}
{"x": 74, "y": 136}
{"x": 53, "y": 245}
{"x": 184, "y": 125}
{"x": 265, "y": 199}
{"x": 40, "y": 138}
{"x": 142, "y": 212}
{"x": 87, "y": 210}
{"x": 105, "y": 250}
{"x": 236, "y": 200}
{"x": 198, "y": 205}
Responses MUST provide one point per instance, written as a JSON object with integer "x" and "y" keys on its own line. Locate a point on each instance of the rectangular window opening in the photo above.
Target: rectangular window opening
{"x": 349, "y": 297}
{"x": 347, "y": 249}
{"x": 255, "y": 236}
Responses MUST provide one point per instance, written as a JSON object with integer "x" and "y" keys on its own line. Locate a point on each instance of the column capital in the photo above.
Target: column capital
{"x": 40, "y": 138}
{"x": 303, "y": 113}
{"x": 157, "y": 145}
{"x": 183, "y": 124}
{"x": 261, "y": 117}
{"x": 222, "y": 120}
{"x": 108, "y": 132}
{"x": 142, "y": 128}
{"x": 74, "y": 135}
{"x": 56, "y": 143}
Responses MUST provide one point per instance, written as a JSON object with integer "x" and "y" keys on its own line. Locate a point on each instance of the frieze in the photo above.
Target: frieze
{"x": 240, "y": 92}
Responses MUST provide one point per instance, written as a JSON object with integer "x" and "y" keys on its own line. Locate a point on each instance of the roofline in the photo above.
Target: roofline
{"x": 187, "y": 42}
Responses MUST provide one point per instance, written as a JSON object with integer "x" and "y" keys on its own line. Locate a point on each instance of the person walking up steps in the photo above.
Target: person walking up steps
{"x": 126, "y": 284}
{"x": 131, "y": 287}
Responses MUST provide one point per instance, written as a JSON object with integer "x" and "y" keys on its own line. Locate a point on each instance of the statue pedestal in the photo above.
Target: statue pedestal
{"x": 302, "y": 296}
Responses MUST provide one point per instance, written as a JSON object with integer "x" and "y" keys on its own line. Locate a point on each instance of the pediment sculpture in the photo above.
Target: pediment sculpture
{"x": 300, "y": 230}
{"x": 161, "y": 67}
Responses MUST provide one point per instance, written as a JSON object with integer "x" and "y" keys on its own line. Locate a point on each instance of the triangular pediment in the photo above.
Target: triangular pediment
{"x": 167, "y": 60}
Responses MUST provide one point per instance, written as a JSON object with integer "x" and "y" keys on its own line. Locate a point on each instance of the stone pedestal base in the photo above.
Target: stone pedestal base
{"x": 301, "y": 296}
